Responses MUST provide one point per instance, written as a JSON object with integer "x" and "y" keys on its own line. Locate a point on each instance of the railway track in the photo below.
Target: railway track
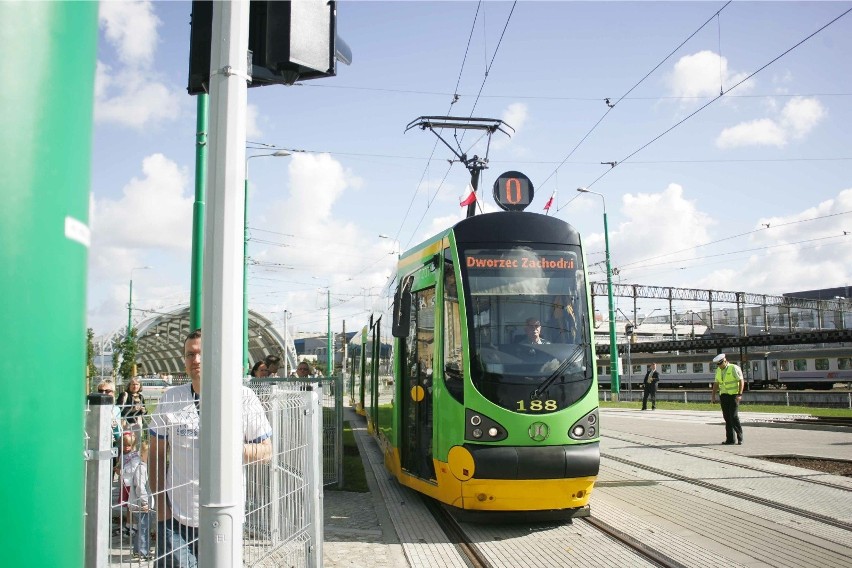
{"x": 650, "y": 554}
{"x": 733, "y": 493}
{"x": 804, "y": 478}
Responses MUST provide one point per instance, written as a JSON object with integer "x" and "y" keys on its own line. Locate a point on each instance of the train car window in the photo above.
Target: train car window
{"x": 681, "y": 368}
{"x": 821, "y": 364}
{"x": 453, "y": 364}
{"x": 666, "y": 368}
{"x": 637, "y": 369}
{"x": 785, "y": 365}
{"x": 698, "y": 367}
{"x": 844, "y": 363}
{"x": 800, "y": 364}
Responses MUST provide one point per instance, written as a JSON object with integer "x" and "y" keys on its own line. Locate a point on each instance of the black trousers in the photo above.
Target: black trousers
{"x": 650, "y": 392}
{"x": 730, "y": 412}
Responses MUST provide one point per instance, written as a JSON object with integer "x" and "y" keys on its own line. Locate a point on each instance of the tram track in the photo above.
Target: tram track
{"x": 730, "y": 492}
{"x": 650, "y": 554}
{"x": 803, "y": 478}
{"x": 456, "y": 534}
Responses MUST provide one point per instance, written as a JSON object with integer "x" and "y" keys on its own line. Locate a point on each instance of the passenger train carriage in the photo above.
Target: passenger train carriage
{"x": 791, "y": 368}
{"x": 480, "y": 418}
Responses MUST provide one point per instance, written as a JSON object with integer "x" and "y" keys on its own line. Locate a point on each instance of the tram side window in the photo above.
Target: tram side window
{"x": 637, "y": 369}
{"x": 800, "y": 364}
{"x": 698, "y": 367}
{"x": 681, "y": 368}
{"x": 666, "y": 368}
{"x": 844, "y": 363}
{"x": 821, "y": 364}
{"x": 453, "y": 364}
{"x": 785, "y": 365}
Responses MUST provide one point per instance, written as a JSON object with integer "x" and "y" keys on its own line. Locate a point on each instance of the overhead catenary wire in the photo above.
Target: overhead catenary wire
{"x": 611, "y": 106}
{"x": 714, "y": 99}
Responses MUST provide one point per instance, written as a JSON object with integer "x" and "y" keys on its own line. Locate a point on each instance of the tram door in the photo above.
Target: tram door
{"x": 416, "y": 442}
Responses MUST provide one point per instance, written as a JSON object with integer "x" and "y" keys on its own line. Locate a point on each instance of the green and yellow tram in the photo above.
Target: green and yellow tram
{"x": 477, "y": 375}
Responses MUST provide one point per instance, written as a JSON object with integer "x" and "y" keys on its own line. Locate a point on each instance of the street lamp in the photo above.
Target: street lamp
{"x": 276, "y": 154}
{"x": 615, "y": 386}
{"x": 393, "y": 241}
{"x": 130, "y": 301}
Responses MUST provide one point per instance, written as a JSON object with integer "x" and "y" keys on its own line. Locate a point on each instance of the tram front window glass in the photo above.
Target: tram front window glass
{"x": 821, "y": 364}
{"x": 800, "y": 364}
{"x": 528, "y": 326}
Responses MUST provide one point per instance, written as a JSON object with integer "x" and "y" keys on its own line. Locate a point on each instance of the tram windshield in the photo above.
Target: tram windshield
{"x": 528, "y": 326}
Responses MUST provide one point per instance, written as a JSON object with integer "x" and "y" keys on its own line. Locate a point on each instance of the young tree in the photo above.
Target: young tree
{"x": 91, "y": 370}
{"x": 127, "y": 352}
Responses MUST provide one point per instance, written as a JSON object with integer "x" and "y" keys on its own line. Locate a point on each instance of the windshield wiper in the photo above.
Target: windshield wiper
{"x": 559, "y": 370}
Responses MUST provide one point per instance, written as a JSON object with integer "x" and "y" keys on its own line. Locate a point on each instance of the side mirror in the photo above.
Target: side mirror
{"x": 402, "y": 309}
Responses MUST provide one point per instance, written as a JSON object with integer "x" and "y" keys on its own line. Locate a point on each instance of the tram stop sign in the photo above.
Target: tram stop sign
{"x": 513, "y": 191}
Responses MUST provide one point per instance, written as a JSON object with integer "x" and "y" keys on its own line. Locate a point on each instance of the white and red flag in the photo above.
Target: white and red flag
{"x": 470, "y": 197}
{"x": 549, "y": 203}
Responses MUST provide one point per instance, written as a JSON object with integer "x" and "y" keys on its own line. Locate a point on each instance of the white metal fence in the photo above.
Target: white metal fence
{"x": 282, "y": 482}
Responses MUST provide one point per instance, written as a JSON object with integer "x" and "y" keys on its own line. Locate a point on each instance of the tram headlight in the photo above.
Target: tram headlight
{"x": 482, "y": 428}
{"x": 585, "y": 428}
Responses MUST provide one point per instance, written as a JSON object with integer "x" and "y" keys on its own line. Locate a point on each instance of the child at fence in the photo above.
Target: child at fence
{"x": 141, "y": 504}
{"x": 129, "y": 462}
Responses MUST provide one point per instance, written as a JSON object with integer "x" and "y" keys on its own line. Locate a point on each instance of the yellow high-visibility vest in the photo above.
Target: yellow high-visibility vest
{"x": 729, "y": 379}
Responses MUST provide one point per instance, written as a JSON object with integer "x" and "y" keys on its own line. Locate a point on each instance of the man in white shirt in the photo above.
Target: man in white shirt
{"x": 174, "y": 432}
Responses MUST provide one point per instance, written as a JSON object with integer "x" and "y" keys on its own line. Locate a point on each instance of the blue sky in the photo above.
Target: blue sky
{"x": 691, "y": 209}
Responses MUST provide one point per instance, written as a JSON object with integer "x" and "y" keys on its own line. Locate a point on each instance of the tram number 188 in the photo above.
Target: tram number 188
{"x": 537, "y": 406}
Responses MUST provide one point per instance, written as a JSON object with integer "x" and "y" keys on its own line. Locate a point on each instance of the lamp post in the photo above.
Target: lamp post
{"x": 615, "y": 385}
{"x": 130, "y": 301}
{"x": 329, "y": 356}
{"x": 277, "y": 154}
{"x": 392, "y": 240}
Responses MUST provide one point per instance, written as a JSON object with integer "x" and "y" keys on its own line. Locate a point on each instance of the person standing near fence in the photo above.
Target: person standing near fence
{"x": 175, "y": 441}
{"x": 730, "y": 384}
{"x": 652, "y": 377}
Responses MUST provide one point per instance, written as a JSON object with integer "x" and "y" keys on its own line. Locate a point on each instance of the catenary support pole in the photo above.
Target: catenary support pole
{"x": 221, "y": 506}
{"x": 48, "y": 66}
{"x": 198, "y": 211}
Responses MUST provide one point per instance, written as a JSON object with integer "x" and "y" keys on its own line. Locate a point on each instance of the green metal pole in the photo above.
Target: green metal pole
{"x": 47, "y": 97}
{"x": 130, "y": 309}
{"x": 245, "y": 278}
{"x": 329, "y": 359}
{"x": 198, "y": 211}
{"x": 615, "y": 385}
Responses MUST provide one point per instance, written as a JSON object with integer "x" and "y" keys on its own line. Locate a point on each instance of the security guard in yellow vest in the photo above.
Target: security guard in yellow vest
{"x": 730, "y": 384}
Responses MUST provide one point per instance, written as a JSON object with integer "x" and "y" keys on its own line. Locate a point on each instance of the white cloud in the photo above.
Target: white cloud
{"x": 798, "y": 117}
{"x": 153, "y": 211}
{"x": 643, "y": 235}
{"x": 515, "y": 116}
{"x": 253, "y": 130}
{"x": 703, "y": 74}
{"x": 761, "y": 132}
{"x": 130, "y": 94}
{"x": 132, "y": 28}
{"x": 137, "y": 103}
{"x": 801, "y": 115}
